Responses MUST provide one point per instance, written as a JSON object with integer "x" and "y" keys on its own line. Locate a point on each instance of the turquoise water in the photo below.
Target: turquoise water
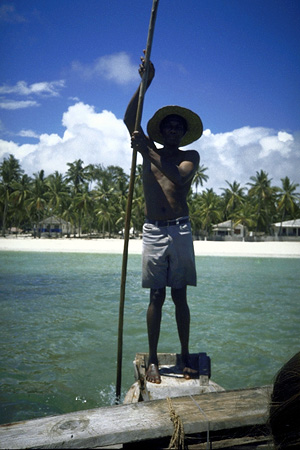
{"x": 59, "y": 322}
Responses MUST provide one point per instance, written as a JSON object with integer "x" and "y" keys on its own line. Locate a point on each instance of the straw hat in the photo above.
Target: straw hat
{"x": 194, "y": 124}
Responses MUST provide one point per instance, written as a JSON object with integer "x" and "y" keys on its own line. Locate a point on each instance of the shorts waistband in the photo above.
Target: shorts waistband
{"x": 168, "y": 223}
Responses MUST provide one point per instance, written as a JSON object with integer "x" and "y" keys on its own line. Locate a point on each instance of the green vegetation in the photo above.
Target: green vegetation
{"x": 93, "y": 199}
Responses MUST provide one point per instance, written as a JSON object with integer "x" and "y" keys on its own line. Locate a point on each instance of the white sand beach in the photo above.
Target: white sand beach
{"x": 202, "y": 248}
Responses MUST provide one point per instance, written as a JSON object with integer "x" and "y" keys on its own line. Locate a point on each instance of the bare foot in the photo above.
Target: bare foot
{"x": 188, "y": 370}
{"x": 152, "y": 374}
{"x": 189, "y": 373}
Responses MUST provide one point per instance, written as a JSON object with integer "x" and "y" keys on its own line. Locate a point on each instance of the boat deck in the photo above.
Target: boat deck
{"x": 210, "y": 417}
{"x": 173, "y": 383}
{"x": 207, "y": 417}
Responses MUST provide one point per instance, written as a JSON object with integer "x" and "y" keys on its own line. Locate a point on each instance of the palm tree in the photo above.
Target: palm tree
{"x": 233, "y": 197}
{"x": 119, "y": 180}
{"x": 77, "y": 175}
{"x": 10, "y": 171}
{"x": 110, "y": 196}
{"x": 84, "y": 206}
{"x": 263, "y": 195}
{"x": 58, "y": 194}
{"x": 209, "y": 210}
{"x": 105, "y": 217}
{"x": 20, "y": 195}
{"x": 287, "y": 199}
{"x": 102, "y": 196}
{"x": 138, "y": 208}
{"x": 95, "y": 172}
{"x": 200, "y": 177}
{"x": 37, "y": 203}
{"x": 245, "y": 215}
{"x": 194, "y": 205}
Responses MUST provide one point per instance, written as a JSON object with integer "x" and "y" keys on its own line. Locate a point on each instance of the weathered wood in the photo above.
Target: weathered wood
{"x": 165, "y": 359}
{"x": 173, "y": 383}
{"x": 262, "y": 442}
{"x": 139, "y": 421}
{"x": 246, "y": 443}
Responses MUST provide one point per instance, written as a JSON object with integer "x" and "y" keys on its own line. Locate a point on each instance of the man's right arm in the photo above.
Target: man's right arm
{"x": 180, "y": 173}
{"x": 130, "y": 114}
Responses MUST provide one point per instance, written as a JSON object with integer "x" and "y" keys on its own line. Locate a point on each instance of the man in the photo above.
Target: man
{"x": 168, "y": 253}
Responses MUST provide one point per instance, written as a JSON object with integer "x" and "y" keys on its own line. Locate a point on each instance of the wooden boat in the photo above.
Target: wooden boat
{"x": 173, "y": 383}
{"x": 210, "y": 416}
{"x": 242, "y": 432}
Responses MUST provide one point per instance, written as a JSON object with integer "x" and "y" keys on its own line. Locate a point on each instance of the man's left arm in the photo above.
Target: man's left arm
{"x": 179, "y": 174}
{"x": 183, "y": 172}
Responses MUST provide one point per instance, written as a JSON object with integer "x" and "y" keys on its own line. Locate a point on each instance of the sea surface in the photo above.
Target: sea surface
{"x": 59, "y": 326}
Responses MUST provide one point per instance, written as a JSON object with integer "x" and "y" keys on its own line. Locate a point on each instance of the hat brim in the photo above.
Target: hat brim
{"x": 194, "y": 124}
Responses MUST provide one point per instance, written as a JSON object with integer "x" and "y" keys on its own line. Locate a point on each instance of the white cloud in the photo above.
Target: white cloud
{"x": 19, "y": 152}
{"x": 283, "y": 136}
{"x": 21, "y": 88}
{"x": 116, "y": 67}
{"x": 282, "y": 143}
{"x": 96, "y": 138}
{"x": 28, "y": 133}
{"x": 18, "y": 104}
{"x": 48, "y": 88}
{"x": 102, "y": 138}
{"x": 239, "y": 154}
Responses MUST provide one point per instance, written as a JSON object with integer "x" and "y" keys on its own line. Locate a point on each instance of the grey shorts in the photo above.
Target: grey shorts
{"x": 168, "y": 257}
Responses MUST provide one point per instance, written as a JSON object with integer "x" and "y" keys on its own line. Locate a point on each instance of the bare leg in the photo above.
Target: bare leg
{"x": 182, "y": 313}
{"x": 157, "y": 298}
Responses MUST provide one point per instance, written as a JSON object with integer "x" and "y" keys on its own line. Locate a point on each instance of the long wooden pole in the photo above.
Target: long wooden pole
{"x": 142, "y": 91}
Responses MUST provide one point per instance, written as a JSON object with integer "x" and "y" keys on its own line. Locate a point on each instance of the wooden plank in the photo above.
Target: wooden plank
{"x": 140, "y": 421}
{"x": 246, "y": 443}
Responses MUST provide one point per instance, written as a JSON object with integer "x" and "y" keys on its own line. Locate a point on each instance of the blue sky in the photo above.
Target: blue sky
{"x": 70, "y": 67}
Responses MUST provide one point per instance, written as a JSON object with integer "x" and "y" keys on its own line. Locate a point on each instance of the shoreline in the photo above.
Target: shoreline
{"x": 116, "y": 246}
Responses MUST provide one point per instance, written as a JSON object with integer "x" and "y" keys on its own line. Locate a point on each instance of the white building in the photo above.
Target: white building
{"x": 288, "y": 228}
{"x": 55, "y": 226}
{"x": 228, "y": 228}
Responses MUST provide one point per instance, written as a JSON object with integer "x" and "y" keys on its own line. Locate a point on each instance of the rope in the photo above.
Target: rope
{"x": 177, "y": 439}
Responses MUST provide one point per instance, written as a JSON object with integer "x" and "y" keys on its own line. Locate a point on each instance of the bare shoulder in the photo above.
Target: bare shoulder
{"x": 190, "y": 155}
